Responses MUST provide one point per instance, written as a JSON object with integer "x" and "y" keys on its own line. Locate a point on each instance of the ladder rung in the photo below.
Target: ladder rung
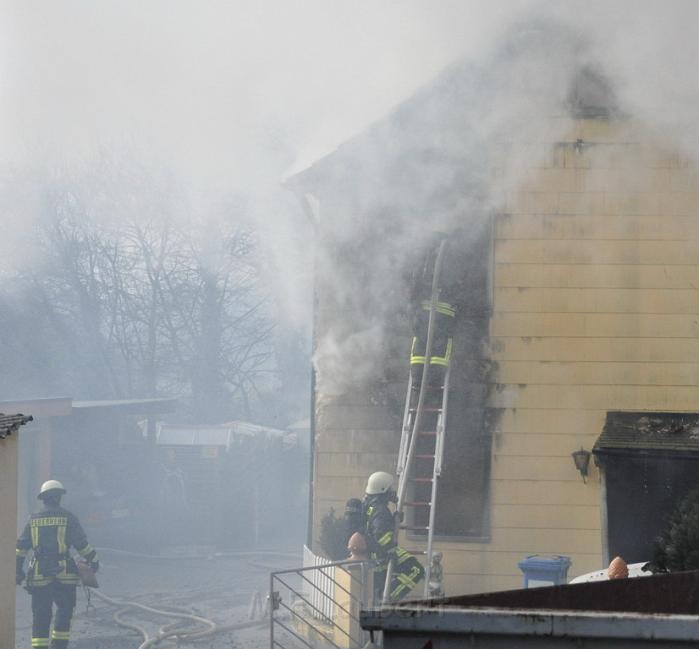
{"x": 420, "y": 479}
{"x": 427, "y": 409}
{"x": 417, "y": 503}
{"x": 424, "y": 456}
{"x": 428, "y": 433}
{"x": 415, "y": 528}
{"x": 418, "y": 552}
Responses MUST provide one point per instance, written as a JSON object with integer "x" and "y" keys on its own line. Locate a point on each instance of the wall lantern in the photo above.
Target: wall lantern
{"x": 582, "y": 461}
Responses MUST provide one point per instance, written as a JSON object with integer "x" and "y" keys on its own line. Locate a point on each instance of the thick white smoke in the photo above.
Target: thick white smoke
{"x": 231, "y": 96}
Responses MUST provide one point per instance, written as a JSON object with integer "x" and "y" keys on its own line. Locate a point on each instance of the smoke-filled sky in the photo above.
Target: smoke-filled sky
{"x": 203, "y": 81}
{"x": 232, "y": 95}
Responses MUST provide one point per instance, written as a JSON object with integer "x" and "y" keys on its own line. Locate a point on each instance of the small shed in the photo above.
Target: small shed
{"x": 98, "y": 450}
{"x": 649, "y": 458}
{"x": 230, "y": 485}
{"x": 9, "y": 426}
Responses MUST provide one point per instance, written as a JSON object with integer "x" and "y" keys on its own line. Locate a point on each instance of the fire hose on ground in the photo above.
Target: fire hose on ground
{"x": 174, "y": 631}
{"x": 184, "y": 628}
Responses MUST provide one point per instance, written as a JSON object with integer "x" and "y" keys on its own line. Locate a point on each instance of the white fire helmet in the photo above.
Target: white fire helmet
{"x": 51, "y": 485}
{"x": 379, "y": 483}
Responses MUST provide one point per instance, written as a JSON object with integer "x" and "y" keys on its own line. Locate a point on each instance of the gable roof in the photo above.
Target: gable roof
{"x": 450, "y": 116}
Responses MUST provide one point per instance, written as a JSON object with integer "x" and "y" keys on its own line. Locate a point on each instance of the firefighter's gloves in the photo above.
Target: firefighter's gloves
{"x": 94, "y": 565}
{"x": 19, "y": 577}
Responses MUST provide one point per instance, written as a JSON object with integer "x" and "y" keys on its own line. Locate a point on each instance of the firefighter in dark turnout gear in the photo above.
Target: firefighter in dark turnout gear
{"x": 381, "y": 540}
{"x": 52, "y": 576}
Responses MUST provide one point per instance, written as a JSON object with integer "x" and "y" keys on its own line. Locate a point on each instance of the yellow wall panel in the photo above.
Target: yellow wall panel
{"x": 598, "y": 373}
{"x": 338, "y": 487}
{"x": 553, "y": 180}
{"x": 564, "y": 540}
{"x": 684, "y": 180}
{"x": 599, "y": 228}
{"x": 633, "y": 179}
{"x": 583, "y": 517}
{"x": 544, "y": 469}
{"x": 597, "y": 300}
{"x": 630, "y": 203}
{"x": 354, "y": 464}
{"x": 483, "y": 563}
{"x": 547, "y": 420}
{"x": 597, "y": 325}
{"x": 652, "y": 156}
{"x": 603, "y": 130}
{"x": 601, "y": 397}
{"x": 570, "y": 156}
{"x": 595, "y": 349}
{"x": 597, "y": 252}
{"x": 560, "y": 444}
{"x": 587, "y": 203}
{"x": 595, "y": 308}
{"x": 680, "y": 203}
{"x": 332, "y": 440}
{"x": 596, "y": 276}
{"x": 528, "y": 202}
{"x": 490, "y": 563}
{"x": 542, "y": 494}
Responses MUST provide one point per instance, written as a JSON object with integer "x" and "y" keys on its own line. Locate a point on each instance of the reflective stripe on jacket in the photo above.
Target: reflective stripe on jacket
{"x": 50, "y": 535}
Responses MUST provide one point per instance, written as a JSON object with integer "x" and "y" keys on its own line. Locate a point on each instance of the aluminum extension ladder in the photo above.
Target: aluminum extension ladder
{"x": 421, "y": 449}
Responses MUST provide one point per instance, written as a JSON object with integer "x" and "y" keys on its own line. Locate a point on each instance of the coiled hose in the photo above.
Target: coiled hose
{"x": 181, "y": 629}
{"x": 178, "y": 631}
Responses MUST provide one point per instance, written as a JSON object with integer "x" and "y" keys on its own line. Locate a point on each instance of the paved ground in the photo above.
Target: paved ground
{"x": 218, "y": 588}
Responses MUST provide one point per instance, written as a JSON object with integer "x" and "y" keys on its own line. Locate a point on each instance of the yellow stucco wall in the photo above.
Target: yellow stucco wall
{"x": 8, "y": 530}
{"x": 344, "y": 457}
{"x": 595, "y": 308}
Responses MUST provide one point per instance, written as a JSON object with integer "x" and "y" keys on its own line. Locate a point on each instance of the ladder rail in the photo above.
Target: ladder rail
{"x": 405, "y": 431}
{"x": 442, "y": 426}
{"x": 437, "y": 472}
{"x": 403, "y": 481}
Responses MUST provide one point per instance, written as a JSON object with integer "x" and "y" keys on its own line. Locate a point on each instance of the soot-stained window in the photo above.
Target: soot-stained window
{"x": 463, "y": 490}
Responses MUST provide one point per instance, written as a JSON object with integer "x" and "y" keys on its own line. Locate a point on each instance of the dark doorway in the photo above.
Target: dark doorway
{"x": 642, "y": 492}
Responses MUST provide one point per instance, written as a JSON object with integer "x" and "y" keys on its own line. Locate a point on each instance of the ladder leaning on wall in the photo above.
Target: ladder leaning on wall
{"x": 422, "y": 448}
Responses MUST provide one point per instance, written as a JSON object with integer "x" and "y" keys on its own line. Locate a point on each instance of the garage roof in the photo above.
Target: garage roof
{"x": 10, "y": 423}
{"x": 664, "y": 432}
{"x": 128, "y": 406}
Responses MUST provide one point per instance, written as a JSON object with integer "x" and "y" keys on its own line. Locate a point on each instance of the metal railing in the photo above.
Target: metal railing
{"x": 317, "y": 606}
{"x": 322, "y": 590}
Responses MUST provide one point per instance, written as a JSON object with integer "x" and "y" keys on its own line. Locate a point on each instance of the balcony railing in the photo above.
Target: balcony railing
{"x": 317, "y": 606}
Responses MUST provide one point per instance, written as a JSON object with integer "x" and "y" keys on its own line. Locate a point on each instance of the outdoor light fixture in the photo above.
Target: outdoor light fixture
{"x": 582, "y": 461}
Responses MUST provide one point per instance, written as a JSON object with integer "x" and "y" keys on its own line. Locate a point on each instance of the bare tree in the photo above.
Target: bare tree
{"x": 144, "y": 301}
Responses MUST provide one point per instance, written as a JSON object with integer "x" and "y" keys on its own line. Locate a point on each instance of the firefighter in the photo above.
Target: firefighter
{"x": 381, "y": 541}
{"x": 354, "y": 517}
{"x": 445, "y": 311}
{"x": 52, "y": 574}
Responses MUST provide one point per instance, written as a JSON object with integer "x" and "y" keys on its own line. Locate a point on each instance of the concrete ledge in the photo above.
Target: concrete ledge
{"x": 533, "y": 622}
